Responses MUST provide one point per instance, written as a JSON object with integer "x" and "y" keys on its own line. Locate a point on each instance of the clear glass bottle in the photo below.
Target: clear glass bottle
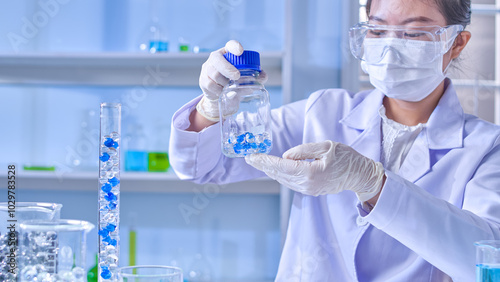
{"x": 245, "y": 110}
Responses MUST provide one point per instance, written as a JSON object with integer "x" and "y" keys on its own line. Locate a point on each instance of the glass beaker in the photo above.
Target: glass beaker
{"x": 53, "y": 250}
{"x": 487, "y": 260}
{"x": 150, "y": 273}
{"x": 11, "y": 215}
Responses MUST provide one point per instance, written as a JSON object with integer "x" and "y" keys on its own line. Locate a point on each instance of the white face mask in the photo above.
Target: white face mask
{"x": 397, "y": 76}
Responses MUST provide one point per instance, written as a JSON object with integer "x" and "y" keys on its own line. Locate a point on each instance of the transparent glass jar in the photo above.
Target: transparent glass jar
{"x": 245, "y": 110}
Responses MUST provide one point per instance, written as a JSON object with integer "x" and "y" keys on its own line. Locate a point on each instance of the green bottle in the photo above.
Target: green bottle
{"x": 158, "y": 162}
{"x": 92, "y": 275}
{"x": 158, "y": 156}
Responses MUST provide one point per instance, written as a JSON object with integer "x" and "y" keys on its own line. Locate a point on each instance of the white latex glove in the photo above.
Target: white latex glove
{"x": 335, "y": 167}
{"x": 215, "y": 74}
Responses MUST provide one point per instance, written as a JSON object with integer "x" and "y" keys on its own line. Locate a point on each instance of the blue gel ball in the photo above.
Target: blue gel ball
{"x": 111, "y": 227}
{"x": 240, "y": 138}
{"x": 106, "y": 274}
{"x": 250, "y": 135}
{"x": 114, "y": 181}
{"x": 104, "y": 157}
{"x": 246, "y": 146}
{"x": 112, "y": 206}
{"x": 109, "y": 142}
{"x": 110, "y": 197}
{"x": 115, "y": 145}
{"x": 267, "y": 142}
{"x": 262, "y": 148}
{"x": 106, "y": 188}
{"x": 253, "y": 145}
{"x": 103, "y": 233}
{"x": 237, "y": 148}
{"x": 113, "y": 242}
{"x": 107, "y": 239}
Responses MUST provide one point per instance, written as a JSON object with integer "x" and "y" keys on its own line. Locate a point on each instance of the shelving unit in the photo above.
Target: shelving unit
{"x": 116, "y": 69}
{"x": 122, "y": 69}
{"x": 135, "y": 182}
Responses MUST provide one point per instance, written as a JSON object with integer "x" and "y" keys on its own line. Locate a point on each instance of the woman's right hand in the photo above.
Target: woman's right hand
{"x": 215, "y": 74}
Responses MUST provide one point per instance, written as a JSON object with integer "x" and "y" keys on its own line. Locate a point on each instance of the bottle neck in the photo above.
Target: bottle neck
{"x": 249, "y": 72}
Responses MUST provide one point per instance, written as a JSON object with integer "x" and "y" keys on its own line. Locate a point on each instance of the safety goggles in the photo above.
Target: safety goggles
{"x": 371, "y": 43}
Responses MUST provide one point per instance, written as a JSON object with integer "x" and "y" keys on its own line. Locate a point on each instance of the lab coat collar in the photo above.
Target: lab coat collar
{"x": 444, "y": 130}
{"x": 445, "y": 127}
{"x": 363, "y": 114}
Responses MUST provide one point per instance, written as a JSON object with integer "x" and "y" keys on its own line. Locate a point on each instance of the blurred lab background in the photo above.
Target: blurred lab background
{"x": 59, "y": 59}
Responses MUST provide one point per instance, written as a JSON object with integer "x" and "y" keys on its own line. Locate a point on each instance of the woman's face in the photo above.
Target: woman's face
{"x": 406, "y": 13}
{"x": 412, "y": 13}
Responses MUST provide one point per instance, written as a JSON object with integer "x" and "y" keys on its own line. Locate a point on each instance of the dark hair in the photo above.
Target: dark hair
{"x": 454, "y": 11}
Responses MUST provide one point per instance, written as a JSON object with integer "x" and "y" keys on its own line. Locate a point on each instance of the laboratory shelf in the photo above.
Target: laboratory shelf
{"x": 116, "y": 69}
{"x": 134, "y": 182}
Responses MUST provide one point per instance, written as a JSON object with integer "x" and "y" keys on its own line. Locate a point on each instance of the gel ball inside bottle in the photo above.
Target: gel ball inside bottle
{"x": 245, "y": 110}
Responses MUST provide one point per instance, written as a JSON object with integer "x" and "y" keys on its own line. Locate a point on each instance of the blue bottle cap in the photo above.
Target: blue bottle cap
{"x": 247, "y": 60}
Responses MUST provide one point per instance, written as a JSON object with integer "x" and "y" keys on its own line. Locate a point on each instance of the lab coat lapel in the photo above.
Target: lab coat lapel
{"x": 369, "y": 142}
{"x": 443, "y": 131}
{"x": 365, "y": 117}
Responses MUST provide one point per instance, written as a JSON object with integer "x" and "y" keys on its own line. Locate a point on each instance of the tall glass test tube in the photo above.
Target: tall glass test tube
{"x": 109, "y": 191}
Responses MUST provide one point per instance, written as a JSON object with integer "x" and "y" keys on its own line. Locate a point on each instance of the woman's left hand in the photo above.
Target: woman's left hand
{"x": 335, "y": 167}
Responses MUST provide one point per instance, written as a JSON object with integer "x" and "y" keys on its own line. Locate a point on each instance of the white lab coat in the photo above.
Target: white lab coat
{"x": 445, "y": 197}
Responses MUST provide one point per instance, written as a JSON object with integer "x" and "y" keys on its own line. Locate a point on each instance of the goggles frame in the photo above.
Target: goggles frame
{"x": 445, "y": 36}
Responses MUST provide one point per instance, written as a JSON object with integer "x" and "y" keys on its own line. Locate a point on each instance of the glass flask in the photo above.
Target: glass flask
{"x": 487, "y": 260}
{"x": 158, "y": 155}
{"x": 245, "y": 110}
{"x": 154, "y": 39}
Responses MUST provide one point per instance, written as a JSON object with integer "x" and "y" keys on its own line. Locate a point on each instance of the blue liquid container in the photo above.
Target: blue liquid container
{"x": 245, "y": 110}
{"x": 156, "y": 46}
{"x": 487, "y": 260}
{"x": 487, "y": 273}
{"x": 136, "y": 161}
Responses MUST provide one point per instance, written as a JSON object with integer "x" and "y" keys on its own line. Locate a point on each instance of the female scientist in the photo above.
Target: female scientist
{"x": 394, "y": 184}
